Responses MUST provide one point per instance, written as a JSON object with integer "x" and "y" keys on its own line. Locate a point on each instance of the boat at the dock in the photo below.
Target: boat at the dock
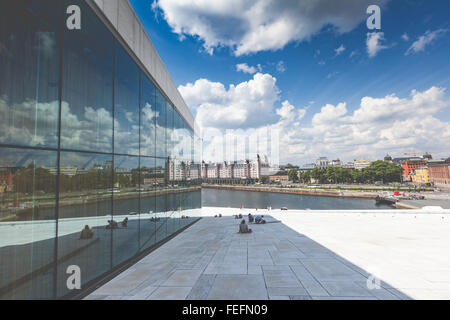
{"x": 386, "y": 200}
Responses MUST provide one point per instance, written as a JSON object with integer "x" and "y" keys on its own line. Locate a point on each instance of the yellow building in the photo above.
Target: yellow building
{"x": 420, "y": 175}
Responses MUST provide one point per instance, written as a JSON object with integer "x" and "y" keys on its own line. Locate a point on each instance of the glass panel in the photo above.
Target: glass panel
{"x": 184, "y": 205}
{"x": 125, "y": 208}
{"x": 87, "y": 121}
{"x": 180, "y": 140}
{"x": 171, "y": 213}
{"x": 192, "y": 142}
{"x": 28, "y": 227}
{"x": 29, "y": 64}
{"x": 126, "y": 104}
{"x": 176, "y": 136}
{"x": 160, "y": 125}
{"x": 198, "y": 149}
{"x": 161, "y": 201}
{"x": 148, "y": 118}
{"x": 152, "y": 179}
{"x": 196, "y": 205}
{"x": 85, "y": 198}
{"x": 169, "y": 131}
{"x": 187, "y": 142}
{"x": 141, "y": 193}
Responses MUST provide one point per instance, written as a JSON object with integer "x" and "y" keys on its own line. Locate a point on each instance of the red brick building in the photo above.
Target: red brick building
{"x": 439, "y": 173}
{"x": 410, "y": 165}
{"x": 7, "y": 178}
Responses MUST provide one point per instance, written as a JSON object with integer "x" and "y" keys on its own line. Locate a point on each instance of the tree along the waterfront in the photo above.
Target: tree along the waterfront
{"x": 378, "y": 171}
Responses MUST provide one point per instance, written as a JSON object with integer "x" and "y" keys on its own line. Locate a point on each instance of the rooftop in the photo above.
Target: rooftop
{"x": 296, "y": 255}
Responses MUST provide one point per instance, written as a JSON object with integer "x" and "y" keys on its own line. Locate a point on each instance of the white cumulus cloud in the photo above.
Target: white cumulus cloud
{"x": 247, "y": 104}
{"x": 281, "y": 67}
{"x": 339, "y": 50}
{"x": 374, "y": 43}
{"x": 248, "y": 26}
{"x": 424, "y": 40}
{"x": 248, "y": 69}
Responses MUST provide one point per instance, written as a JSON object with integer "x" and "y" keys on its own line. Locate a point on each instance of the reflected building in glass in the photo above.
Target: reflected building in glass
{"x": 99, "y": 155}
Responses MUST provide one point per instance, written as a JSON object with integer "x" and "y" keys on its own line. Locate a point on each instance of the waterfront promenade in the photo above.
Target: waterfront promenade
{"x": 301, "y": 191}
{"x": 297, "y": 255}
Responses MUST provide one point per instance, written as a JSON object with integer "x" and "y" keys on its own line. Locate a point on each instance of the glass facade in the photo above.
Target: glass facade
{"x": 96, "y": 165}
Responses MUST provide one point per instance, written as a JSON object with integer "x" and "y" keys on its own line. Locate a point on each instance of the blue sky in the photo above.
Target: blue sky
{"x": 314, "y": 73}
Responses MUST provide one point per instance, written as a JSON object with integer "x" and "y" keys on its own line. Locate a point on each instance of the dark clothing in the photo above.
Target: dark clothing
{"x": 86, "y": 233}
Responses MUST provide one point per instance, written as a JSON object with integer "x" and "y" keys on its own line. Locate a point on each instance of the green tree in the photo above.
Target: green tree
{"x": 332, "y": 174}
{"x": 320, "y": 175}
{"x": 305, "y": 177}
{"x": 293, "y": 175}
{"x": 379, "y": 171}
{"x": 358, "y": 176}
{"x": 384, "y": 171}
{"x": 31, "y": 179}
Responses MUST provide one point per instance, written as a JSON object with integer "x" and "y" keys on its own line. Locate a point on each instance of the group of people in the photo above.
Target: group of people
{"x": 256, "y": 219}
{"x": 243, "y": 227}
{"x": 87, "y": 232}
{"x": 112, "y": 224}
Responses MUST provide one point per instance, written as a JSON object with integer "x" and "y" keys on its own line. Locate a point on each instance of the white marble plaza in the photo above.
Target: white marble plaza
{"x": 297, "y": 255}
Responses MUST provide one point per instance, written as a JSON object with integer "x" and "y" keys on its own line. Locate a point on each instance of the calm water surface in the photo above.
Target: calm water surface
{"x": 254, "y": 199}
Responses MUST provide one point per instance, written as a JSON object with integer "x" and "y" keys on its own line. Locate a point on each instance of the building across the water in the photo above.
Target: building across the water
{"x": 420, "y": 176}
{"x": 410, "y": 165}
{"x": 235, "y": 171}
{"x": 322, "y": 163}
{"x": 439, "y": 173}
{"x": 360, "y": 164}
{"x": 279, "y": 177}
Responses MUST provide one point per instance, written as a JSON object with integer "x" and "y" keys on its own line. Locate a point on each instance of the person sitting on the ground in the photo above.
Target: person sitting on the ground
{"x": 86, "y": 233}
{"x": 263, "y": 221}
{"x": 258, "y": 219}
{"x": 236, "y": 216}
{"x": 250, "y": 218}
{"x": 220, "y": 215}
{"x": 112, "y": 224}
{"x": 240, "y": 216}
{"x": 243, "y": 227}
{"x": 125, "y": 222}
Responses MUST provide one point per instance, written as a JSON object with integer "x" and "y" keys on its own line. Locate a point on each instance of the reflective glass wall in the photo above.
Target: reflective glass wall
{"x": 96, "y": 165}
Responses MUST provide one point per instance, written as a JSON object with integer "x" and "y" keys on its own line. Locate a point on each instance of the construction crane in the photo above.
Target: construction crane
{"x": 415, "y": 153}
